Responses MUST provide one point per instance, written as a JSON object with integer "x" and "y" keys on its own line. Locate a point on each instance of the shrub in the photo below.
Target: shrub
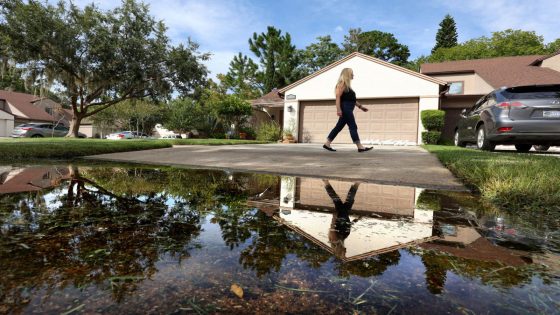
{"x": 269, "y": 131}
{"x": 433, "y": 119}
{"x": 251, "y": 133}
{"x": 431, "y": 137}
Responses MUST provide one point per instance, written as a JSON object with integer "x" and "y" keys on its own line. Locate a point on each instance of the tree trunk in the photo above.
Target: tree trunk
{"x": 75, "y": 125}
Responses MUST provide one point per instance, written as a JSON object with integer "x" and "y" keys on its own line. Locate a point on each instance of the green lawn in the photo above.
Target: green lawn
{"x": 509, "y": 180}
{"x": 67, "y": 148}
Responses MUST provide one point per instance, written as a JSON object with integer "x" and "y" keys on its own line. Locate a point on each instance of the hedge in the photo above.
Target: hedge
{"x": 433, "y": 119}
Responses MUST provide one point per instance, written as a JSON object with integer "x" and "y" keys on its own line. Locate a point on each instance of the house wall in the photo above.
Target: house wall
{"x": 6, "y": 124}
{"x": 371, "y": 80}
{"x": 53, "y": 108}
{"x": 92, "y": 131}
{"x": 552, "y": 63}
{"x": 266, "y": 115}
{"x": 473, "y": 83}
{"x": 426, "y": 103}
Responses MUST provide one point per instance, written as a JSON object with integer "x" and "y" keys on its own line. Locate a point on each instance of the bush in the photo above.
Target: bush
{"x": 433, "y": 119}
{"x": 269, "y": 131}
{"x": 251, "y": 133}
{"x": 431, "y": 137}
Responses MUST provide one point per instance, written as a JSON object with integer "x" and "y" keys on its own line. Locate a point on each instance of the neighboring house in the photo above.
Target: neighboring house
{"x": 469, "y": 80}
{"x": 20, "y": 108}
{"x": 394, "y": 96}
{"x": 92, "y": 130}
{"x": 269, "y": 107}
{"x": 26, "y": 108}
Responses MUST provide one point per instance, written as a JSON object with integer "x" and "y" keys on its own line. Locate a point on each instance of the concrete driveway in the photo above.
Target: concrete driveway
{"x": 393, "y": 165}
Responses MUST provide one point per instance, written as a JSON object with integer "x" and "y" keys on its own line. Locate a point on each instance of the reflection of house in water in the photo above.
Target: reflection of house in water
{"x": 383, "y": 218}
{"x": 14, "y": 179}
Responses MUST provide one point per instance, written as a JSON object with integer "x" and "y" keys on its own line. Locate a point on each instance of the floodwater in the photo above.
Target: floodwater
{"x": 97, "y": 239}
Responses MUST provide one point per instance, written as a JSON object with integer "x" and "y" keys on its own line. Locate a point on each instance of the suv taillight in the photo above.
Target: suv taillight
{"x": 510, "y": 104}
{"x": 120, "y": 135}
{"x": 26, "y": 128}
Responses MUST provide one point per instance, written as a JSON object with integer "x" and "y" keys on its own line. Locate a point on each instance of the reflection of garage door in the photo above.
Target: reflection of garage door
{"x": 387, "y": 119}
{"x": 399, "y": 200}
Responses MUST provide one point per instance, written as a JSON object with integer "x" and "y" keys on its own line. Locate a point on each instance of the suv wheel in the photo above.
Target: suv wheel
{"x": 541, "y": 148}
{"x": 456, "y": 140}
{"x": 36, "y": 136}
{"x": 482, "y": 141}
{"x": 523, "y": 147}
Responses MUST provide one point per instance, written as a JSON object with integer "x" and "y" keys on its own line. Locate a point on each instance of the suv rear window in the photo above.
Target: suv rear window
{"x": 532, "y": 92}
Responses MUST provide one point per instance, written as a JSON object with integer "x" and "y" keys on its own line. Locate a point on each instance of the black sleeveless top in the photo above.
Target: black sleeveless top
{"x": 348, "y": 96}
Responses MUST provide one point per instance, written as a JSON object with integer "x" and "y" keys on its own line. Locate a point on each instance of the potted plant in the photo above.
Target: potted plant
{"x": 289, "y": 133}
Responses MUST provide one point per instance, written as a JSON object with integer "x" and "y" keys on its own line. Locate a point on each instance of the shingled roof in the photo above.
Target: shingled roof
{"x": 270, "y": 99}
{"x": 498, "y": 72}
{"x": 24, "y": 103}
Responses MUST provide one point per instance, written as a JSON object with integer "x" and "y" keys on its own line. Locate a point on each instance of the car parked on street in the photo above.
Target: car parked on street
{"x": 523, "y": 116}
{"x": 41, "y": 130}
{"x": 121, "y": 135}
{"x": 140, "y": 135}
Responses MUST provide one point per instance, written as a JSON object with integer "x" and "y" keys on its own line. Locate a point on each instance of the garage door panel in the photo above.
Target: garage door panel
{"x": 387, "y": 119}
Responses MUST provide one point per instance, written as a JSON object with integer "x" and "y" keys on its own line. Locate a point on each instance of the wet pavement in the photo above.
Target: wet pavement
{"x": 390, "y": 165}
{"x": 136, "y": 239}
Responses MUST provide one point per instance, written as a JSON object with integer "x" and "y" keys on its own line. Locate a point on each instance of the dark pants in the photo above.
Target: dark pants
{"x": 347, "y": 118}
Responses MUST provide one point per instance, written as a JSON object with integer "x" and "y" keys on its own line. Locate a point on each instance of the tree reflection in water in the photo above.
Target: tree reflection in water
{"x": 110, "y": 226}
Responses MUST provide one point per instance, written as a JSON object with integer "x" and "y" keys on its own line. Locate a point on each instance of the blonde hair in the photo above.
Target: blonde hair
{"x": 344, "y": 79}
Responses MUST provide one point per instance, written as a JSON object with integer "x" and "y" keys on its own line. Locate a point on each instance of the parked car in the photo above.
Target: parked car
{"x": 121, "y": 135}
{"x": 524, "y": 116}
{"x": 41, "y": 130}
{"x": 138, "y": 134}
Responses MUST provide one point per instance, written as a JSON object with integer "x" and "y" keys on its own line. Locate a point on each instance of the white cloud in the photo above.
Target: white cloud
{"x": 338, "y": 29}
{"x": 214, "y": 24}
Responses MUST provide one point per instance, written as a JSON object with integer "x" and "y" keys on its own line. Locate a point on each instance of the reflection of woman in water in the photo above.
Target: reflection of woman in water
{"x": 340, "y": 224}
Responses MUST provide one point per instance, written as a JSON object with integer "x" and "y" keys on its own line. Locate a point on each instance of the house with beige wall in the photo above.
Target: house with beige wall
{"x": 469, "y": 80}
{"x": 269, "y": 107}
{"x": 395, "y": 96}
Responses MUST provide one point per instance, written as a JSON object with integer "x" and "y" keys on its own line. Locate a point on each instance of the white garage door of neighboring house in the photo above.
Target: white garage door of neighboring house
{"x": 387, "y": 119}
{"x": 3, "y": 127}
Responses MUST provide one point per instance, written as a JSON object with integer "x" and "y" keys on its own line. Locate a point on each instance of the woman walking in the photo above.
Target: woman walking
{"x": 345, "y": 103}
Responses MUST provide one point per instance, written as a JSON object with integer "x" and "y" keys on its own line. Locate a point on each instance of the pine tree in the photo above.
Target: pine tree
{"x": 278, "y": 57}
{"x": 242, "y": 77}
{"x": 447, "y": 34}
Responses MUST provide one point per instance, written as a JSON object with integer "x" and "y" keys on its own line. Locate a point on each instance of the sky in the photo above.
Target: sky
{"x": 224, "y": 27}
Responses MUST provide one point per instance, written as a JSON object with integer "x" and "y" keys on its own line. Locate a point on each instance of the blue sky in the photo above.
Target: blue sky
{"x": 223, "y": 27}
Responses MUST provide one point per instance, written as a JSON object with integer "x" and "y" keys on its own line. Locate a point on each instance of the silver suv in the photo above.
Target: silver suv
{"x": 41, "y": 130}
{"x": 523, "y": 116}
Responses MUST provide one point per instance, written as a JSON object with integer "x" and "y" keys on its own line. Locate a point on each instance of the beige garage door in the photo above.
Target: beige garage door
{"x": 387, "y": 119}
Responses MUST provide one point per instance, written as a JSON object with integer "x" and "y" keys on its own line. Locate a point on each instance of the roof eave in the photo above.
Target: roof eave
{"x": 370, "y": 58}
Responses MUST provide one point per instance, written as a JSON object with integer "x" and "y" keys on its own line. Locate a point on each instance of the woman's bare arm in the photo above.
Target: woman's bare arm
{"x": 339, "y": 91}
